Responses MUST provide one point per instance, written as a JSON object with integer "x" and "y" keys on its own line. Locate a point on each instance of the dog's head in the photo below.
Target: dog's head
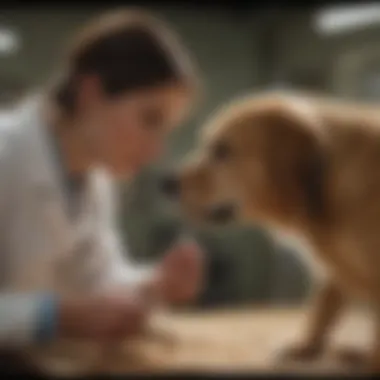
{"x": 259, "y": 159}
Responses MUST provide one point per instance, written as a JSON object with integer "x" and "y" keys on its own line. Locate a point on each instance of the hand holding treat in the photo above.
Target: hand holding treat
{"x": 180, "y": 273}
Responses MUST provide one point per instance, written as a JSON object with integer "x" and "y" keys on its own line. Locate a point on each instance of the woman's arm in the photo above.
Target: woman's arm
{"x": 119, "y": 268}
{"x": 177, "y": 278}
{"x": 115, "y": 266}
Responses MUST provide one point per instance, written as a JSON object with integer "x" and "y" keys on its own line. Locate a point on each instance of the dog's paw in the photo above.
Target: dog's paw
{"x": 299, "y": 352}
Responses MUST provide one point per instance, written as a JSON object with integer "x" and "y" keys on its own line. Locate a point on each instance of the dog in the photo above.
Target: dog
{"x": 309, "y": 167}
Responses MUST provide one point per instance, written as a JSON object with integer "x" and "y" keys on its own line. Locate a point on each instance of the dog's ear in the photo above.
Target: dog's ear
{"x": 299, "y": 150}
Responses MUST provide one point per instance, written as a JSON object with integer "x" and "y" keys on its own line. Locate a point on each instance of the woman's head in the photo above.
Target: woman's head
{"x": 127, "y": 82}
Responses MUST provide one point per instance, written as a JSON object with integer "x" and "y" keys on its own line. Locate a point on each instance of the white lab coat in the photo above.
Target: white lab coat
{"x": 41, "y": 248}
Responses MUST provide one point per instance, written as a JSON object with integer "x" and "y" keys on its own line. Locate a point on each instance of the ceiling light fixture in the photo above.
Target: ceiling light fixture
{"x": 9, "y": 41}
{"x": 346, "y": 18}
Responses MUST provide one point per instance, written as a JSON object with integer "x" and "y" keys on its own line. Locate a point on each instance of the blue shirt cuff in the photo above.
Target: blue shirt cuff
{"x": 47, "y": 318}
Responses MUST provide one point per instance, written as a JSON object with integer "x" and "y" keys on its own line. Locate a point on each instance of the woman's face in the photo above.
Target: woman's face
{"x": 128, "y": 132}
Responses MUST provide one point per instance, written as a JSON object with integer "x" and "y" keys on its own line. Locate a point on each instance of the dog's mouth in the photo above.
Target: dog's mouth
{"x": 221, "y": 213}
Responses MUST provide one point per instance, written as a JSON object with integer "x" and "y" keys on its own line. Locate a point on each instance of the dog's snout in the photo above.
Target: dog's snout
{"x": 170, "y": 185}
{"x": 221, "y": 213}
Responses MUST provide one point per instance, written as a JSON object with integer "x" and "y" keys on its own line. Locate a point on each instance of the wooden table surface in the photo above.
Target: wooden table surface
{"x": 244, "y": 340}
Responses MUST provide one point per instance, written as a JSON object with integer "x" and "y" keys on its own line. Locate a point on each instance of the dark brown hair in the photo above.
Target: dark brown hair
{"x": 128, "y": 50}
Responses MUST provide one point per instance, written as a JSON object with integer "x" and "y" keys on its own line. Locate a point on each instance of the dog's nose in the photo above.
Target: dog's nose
{"x": 221, "y": 213}
{"x": 170, "y": 186}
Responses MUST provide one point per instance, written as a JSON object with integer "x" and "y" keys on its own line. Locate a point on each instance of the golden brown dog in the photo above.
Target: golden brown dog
{"x": 307, "y": 166}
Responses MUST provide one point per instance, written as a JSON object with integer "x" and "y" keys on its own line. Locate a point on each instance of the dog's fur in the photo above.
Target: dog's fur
{"x": 308, "y": 166}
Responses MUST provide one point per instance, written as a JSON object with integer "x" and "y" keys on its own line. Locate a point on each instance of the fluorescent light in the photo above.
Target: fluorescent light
{"x": 9, "y": 41}
{"x": 342, "y": 18}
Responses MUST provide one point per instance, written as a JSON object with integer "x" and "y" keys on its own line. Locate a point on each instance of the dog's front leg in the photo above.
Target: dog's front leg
{"x": 326, "y": 309}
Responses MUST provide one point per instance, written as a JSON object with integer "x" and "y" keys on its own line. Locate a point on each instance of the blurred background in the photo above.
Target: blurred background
{"x": 334, "y": 49}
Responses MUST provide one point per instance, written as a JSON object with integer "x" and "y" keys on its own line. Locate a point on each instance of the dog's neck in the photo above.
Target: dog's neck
{"x": 290, "y": 219}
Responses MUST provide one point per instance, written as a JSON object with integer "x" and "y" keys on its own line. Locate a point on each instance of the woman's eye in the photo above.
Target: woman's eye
{"x": 221, "y": 151}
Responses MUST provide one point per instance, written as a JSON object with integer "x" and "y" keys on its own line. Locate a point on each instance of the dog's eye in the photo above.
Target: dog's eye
{"x": 221, "y": 151}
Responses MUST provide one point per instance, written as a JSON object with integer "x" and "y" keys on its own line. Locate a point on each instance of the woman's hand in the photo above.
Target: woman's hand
{"x": 102, "y": 318}
{"x": 180, "y": 274}
{"x": 108, "y": 318}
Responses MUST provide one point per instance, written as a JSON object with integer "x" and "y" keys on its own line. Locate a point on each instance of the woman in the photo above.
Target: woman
{"x": 125, "y": 84}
